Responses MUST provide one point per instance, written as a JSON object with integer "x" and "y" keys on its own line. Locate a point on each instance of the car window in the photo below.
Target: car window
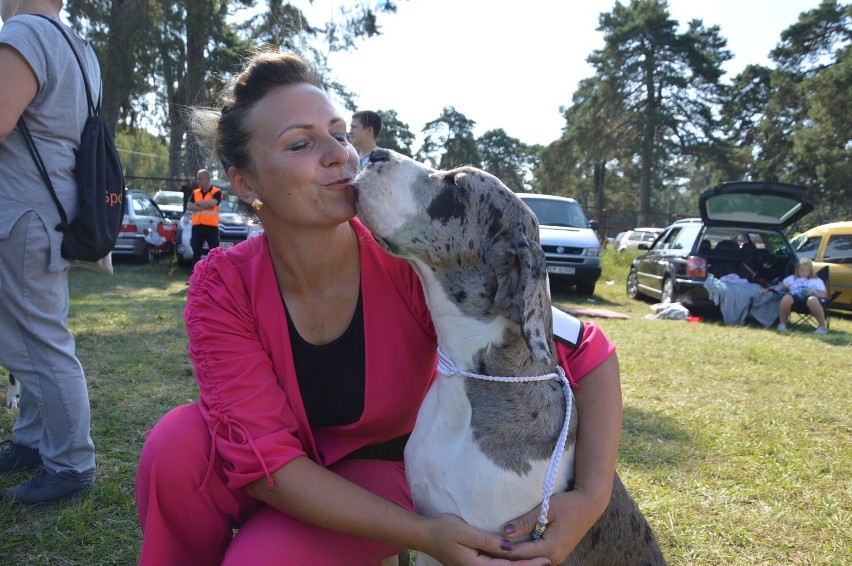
{"x": 175, "y": 199}
{"x": 839, "y": 249}
{"x": 678, "y": 240}
{"x": 558, "y": 213}
{"x": 138, "y": 206}
{"x": 808, "y": 247}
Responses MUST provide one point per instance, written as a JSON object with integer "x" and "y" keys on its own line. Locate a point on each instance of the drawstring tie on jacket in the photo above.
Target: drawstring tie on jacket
{"x": 237, "y": 434}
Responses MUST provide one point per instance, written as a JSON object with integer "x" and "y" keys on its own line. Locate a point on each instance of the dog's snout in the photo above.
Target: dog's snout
{"x": 379, "y": 154}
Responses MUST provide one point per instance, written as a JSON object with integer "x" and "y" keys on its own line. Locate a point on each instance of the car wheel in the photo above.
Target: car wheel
{"x": 632, "y": 285}
{"x": 586, "y": 289}
{"x": 668, "y": 291}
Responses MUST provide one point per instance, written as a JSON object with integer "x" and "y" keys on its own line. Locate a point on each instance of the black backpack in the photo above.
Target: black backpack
{"x": 91, "y": 234}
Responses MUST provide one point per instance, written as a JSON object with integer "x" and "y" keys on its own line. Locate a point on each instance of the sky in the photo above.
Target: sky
{"x": 511, "y": 65}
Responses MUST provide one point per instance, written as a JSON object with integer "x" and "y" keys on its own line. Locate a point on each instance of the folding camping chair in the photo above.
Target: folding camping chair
{"x": 801, "y": 314}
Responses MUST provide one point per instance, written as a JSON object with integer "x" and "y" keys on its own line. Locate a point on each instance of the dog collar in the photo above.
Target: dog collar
{"x": 446, "y": 366}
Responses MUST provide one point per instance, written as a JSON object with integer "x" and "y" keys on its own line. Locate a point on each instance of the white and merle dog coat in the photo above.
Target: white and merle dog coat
{"x": 480, "y": 449}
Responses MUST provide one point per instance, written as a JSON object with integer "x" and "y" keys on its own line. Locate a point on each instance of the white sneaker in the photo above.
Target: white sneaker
{"x": 821, "y": 330}
{"x": 782, "y": 328}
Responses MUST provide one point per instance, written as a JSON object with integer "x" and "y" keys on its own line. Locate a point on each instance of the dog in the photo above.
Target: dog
{"x": 13, "y": 393}
{"x": 482, "y": 449}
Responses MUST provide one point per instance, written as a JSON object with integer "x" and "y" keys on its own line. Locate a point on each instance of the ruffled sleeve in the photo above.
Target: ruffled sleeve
{"x": 243, "y": 400}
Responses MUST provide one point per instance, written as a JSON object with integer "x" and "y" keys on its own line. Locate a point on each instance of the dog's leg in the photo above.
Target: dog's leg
{"x": 14, "y": 392}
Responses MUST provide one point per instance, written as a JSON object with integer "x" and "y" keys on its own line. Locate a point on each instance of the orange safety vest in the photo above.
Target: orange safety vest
{"x": 210, "y": 216}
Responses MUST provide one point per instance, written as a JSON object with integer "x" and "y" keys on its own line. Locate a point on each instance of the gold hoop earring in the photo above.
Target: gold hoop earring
{"x": 257, "y": 204}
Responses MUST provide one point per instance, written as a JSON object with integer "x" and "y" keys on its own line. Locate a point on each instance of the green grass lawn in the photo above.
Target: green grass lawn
{"x": 736, "y": 439}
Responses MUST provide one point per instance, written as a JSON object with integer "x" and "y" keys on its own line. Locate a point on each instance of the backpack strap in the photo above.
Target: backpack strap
{"x": 28, "y": 139}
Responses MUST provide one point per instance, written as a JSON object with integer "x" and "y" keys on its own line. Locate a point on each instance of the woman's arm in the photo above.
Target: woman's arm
{"x": 315, "y": 495}
{"x": 573, "y": 513}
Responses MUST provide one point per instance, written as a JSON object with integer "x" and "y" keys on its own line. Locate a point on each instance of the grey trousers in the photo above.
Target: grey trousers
{"x": 37, "y": 347}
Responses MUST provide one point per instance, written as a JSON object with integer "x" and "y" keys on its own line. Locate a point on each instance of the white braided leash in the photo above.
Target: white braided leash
{"x": 447, "y": 367}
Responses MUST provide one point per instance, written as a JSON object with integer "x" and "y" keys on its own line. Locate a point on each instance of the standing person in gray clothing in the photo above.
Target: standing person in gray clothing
{"x": 41, "y": 81}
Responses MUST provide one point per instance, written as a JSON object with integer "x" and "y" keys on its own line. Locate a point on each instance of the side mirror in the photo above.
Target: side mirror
{"x": 594, "y": 225}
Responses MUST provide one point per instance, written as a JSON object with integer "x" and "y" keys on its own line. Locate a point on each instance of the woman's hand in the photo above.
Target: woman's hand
{"x": 571, "y": 515}
{"x": 453, "y": 542}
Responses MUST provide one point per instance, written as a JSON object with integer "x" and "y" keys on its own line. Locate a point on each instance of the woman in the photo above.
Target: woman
{"x": 41, "y": 82}
{"x": 803, "y": 288}
{"x": 313, "y": 350}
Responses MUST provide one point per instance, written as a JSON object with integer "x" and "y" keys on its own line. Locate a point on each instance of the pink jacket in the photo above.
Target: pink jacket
{"x": 249, "y": 395}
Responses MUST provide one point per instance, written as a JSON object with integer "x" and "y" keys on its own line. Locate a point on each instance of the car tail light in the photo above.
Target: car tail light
{"x": 696, "y": 266}
{"x": 128, "y": 228}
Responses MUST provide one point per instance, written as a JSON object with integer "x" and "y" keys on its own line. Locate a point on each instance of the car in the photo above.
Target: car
{"x": 171, "y": 203}
{"x": 831, "y": 245}
{"x": 234, "y": 227}
{"x": 141, "y": 217}
{"x": 633, "y": 238}
{"x": 571, "y": 248}
{"x": 614, "y": 241}
{"x": 740, "y": 232}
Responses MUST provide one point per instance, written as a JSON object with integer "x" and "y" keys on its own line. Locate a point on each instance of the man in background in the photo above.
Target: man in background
{"x": 204, "y": 205}
{"x": 363, "y": 132}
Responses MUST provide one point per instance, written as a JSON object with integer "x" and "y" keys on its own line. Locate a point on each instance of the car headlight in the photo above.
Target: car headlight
{"x": 594, "y": 252}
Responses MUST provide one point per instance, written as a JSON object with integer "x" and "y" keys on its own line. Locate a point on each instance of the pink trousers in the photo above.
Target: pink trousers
{"x": 183, "y": 526}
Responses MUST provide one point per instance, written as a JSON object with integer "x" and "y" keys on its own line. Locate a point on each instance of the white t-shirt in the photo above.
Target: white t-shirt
{"x": 798, "y": 285}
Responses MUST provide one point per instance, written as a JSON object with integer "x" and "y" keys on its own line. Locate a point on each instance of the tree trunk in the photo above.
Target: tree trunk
{"x": 128, "y": 21}
{"x": 197, "y": 14}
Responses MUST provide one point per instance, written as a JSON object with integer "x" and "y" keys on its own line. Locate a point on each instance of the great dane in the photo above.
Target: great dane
{"x": 484, "y": 448}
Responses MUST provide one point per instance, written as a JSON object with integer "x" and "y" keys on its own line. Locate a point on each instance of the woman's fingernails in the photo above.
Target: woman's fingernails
{"x": 508, "y": 529}
{"x": 506, "y": 545}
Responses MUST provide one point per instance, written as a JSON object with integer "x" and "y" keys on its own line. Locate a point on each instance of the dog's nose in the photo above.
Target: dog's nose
{"x": 379, "y": 154}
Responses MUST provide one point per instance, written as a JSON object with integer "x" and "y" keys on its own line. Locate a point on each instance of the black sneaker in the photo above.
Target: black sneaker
{"x": 47, "y": 487}
{"x": 16, "y": 457}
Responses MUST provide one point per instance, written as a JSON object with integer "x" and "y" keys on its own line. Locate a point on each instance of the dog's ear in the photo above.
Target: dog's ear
{"x": 522, "y": 294}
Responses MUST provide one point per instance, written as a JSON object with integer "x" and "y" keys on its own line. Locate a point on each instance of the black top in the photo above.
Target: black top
{"x": 331, "y": 376}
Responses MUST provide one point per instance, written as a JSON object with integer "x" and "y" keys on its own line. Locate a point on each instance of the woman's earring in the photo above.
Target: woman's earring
{"x": 257, "y": 204}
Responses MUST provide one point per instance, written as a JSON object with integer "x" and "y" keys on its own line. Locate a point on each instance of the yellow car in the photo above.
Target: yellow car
{"x": 831, "y": 245}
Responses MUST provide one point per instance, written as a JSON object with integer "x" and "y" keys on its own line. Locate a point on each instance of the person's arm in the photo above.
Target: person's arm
{"x": 17, "y": 89}
{"x": 573, "y": 513}
{"x": 315, "y": 495}
{"x": 203, "y": 205}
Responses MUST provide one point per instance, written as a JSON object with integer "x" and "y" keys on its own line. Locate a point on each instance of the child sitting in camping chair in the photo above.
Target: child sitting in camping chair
{"x": 803, "y": 292}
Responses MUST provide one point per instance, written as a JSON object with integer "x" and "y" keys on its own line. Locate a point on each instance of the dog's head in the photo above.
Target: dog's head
{"x": 470, "y": 238}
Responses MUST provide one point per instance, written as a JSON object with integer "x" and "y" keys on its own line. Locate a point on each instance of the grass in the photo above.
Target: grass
{"x": 736, "y": 440}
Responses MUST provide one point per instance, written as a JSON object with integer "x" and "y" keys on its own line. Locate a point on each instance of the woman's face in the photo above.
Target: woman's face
{"x": 805, "y": 271}
{"x": 303, "y": 163}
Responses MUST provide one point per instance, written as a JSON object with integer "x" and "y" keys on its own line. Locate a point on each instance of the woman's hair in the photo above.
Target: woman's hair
{"x": 225, "y": 132}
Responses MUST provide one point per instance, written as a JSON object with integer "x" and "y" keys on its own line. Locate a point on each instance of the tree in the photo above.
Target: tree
{"x": 182, "y": 52}
{"x": 118, "y": 30}
{"x": 395, "y": 134}
{"x": 668, "y": 81}
{"x": 449, "y": 141}
{"x": 507, "y": 158}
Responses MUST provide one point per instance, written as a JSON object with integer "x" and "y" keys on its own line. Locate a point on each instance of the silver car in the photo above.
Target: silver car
{"x": 571, "y": 248}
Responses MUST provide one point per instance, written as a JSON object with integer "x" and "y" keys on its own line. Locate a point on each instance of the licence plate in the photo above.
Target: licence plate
{"x": 563, "y": 269}
{"x": 226, "y": 245}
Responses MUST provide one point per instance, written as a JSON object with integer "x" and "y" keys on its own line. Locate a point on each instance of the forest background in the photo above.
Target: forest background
{"x": 651, "y": 128}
